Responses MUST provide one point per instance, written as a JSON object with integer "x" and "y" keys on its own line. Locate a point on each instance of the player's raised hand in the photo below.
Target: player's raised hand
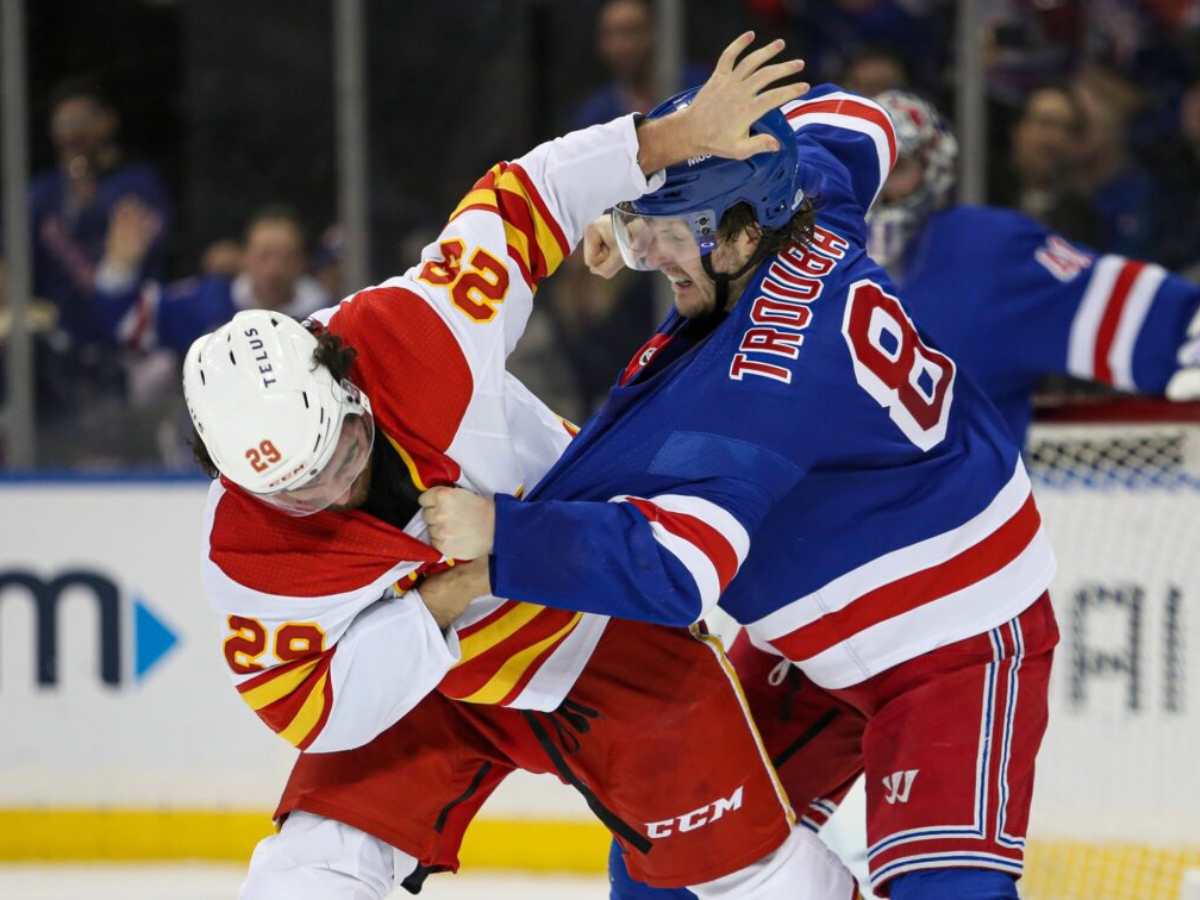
{"x": 718, "y": 121}
{"x": 738, "y": 92}
{"x": 461, "y": 524}
{"x": 600, "y": 253}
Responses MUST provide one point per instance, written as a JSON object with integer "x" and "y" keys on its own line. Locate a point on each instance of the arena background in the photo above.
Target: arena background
{"x": 121, "y": 742}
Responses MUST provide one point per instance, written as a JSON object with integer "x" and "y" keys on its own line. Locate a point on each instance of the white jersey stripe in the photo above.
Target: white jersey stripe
{"x": 1081, "y": 346}
{"x": 701, "y": 568}
{"x": 711, "y": 514}
{"x": 1133, "y": 315}
{"x": 884, "y": 142}
{"x": 984, "y": 605}
{"x": 854, "y": 123}
{"x": 846, "y": 588}
{"x": 703, "y": 560}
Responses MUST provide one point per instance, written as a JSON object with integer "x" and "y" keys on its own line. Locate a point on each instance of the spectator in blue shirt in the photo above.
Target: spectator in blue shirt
{"x": 1123, "y": 194}
{"x": 625, "y": 44}
{"x": 147, "y": 315}
{"x": 72, "y": 206}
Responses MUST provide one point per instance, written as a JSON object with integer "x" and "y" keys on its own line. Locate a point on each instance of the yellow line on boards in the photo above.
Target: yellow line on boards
{"x": 1065, "y": 870}
{"x": 127, "y": 835}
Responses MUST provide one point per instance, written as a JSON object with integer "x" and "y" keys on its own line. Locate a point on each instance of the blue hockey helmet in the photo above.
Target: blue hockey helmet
{"x": 682, "y": 217}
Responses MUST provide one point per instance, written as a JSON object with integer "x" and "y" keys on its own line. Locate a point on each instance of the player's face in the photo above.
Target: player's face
{"x": 669, "y": 244}
{"x": 695, "y": 293}
{"x": 343, "y": 481}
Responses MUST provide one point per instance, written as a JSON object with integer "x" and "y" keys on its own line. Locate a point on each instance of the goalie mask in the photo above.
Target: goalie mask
{"x": 923, "y": 138}
{"x": 274, "y": 421}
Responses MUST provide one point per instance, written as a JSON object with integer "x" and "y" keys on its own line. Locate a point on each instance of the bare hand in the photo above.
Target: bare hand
{"x": 131, "y": 230}
{"x": 719, "y": 118}
{"x": 735, "y": 96}
{"x": 600, "y": 252}
{"x": 447, "y": 594}
{"x": 461, "y": 524}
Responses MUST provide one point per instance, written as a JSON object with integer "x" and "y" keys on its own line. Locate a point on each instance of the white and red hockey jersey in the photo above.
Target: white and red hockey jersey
{"x": 326, "y": 638}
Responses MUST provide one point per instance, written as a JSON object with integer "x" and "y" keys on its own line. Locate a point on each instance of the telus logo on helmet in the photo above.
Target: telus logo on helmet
{"x": 257, "y": 345}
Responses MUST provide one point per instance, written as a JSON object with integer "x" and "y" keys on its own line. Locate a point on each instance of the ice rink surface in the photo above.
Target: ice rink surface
{"x": 204, "y": 882}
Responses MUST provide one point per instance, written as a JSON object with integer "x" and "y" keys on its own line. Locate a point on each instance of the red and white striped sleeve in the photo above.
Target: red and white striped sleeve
{"x": 515, "y": 227}
{"x": 664, "y": 558}
{"x": 856, "y": 135}
{"x": 319, "y": 641}
{"x": 1109, "y": 320}
{"x": 705, "y": 539}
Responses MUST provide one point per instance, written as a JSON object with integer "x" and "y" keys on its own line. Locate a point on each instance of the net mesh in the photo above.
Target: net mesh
{"x": 1117, "y": 803}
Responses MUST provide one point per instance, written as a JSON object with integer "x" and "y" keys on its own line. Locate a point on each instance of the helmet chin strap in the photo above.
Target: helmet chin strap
{"x": 722, "y": 280}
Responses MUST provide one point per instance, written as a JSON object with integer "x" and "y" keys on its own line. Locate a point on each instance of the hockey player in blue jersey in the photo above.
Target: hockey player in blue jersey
{"x": 1013, "y": 302}
{"x": 1010, "y": 302}
{"x": 790, "y": 445}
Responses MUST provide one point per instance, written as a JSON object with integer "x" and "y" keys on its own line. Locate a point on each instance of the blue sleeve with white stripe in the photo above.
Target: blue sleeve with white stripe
{"x": 663, "y": 559}
{"x": 663, "y": 556}
{"x": 1104, "y": 318}
{"x": 847, "y": 144}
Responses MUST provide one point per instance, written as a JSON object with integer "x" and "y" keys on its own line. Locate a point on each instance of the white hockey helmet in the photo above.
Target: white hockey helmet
{"x": 921, "y": 135}
{"x": 273, "y": 420}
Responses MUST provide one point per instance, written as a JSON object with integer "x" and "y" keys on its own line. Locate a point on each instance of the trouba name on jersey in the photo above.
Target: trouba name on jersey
{"x": 696, "y": 160}
{"x": 783, "y": 308}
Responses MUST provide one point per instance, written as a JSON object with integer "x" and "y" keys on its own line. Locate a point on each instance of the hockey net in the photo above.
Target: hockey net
{"x": 1117, "y": 809}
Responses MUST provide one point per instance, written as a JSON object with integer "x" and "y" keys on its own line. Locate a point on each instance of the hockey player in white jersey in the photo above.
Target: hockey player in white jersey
{"x": 315, "y": 559}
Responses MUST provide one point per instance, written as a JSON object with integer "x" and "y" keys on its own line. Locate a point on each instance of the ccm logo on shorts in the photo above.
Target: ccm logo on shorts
{"x": 697, "y": 818}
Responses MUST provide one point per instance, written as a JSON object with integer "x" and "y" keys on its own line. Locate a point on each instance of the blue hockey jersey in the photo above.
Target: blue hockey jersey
{"x": 812, "y": 462}
{"x": 1045, "y": 306}
{"x": 68, "y": 245}
{"x": 148, "y": 315}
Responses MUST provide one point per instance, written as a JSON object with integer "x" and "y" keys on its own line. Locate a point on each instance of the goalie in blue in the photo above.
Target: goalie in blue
{"x": 1013, "y": 302}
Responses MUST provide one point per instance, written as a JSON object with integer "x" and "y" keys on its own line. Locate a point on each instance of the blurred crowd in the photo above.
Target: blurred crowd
{"x": 1094, "y": 128}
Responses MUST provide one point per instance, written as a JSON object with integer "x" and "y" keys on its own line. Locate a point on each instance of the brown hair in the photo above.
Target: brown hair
{"x": 331, "y": 352}
{"x": 798, "y": 230}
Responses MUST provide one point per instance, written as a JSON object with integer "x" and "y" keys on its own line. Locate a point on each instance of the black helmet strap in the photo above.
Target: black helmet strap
{"x": 723, "y": 279}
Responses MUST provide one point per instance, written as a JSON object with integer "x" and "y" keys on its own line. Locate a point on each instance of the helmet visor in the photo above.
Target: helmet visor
{"x": 333, "y": 484}
{"x": 648, "y": 243}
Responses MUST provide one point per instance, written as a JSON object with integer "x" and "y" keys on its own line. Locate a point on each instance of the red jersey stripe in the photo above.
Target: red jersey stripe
{"x": 969, "y": 567}
{"x": 697, "y": 532}
{"x": 326, "y": 709}
{"x": 858, "y": 110}
{"x": 544, "y": 211}
{"x": 468, "y": 677}
{"x": 1112, "y": 318}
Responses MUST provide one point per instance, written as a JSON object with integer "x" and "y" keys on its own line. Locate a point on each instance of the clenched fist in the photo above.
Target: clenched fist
{"x": 461, "y": 524}
{"x": 600, "y": 252}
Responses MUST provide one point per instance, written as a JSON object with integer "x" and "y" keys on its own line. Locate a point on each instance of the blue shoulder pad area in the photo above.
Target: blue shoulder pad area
{"x": 697, "y": 455}
{"x": 954, "y": 884}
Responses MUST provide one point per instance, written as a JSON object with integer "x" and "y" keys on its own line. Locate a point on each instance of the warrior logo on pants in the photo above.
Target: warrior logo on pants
{"x": 898, "y": 784}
